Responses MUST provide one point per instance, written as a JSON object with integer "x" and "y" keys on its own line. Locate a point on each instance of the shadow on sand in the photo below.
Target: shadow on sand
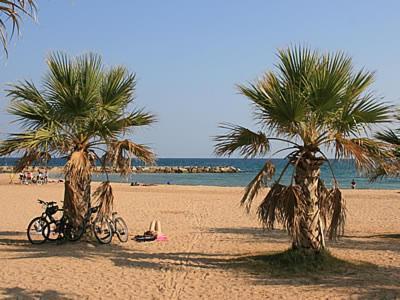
{"x": 19, "y": 293}
{"x": 369, "y": 280}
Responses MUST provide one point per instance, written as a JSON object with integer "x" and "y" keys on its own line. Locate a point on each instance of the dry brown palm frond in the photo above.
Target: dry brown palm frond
{"x": 104, "y": 199}
{"x": 338, "y": 213}
{"x": 282, "y": 204}
{"x": 78, "y": 171}
{"x": 269, "y": 207}
{"x": 79, "y": 166}
{"x": 254, "y": 186}
{"x": 366, "y": 152}
{"x": 120, "y": 154}
{"x": 333, "y": 212}
{"x": 323, "y": 201}
{"x": 289, "y": 212}
{"x": 29, "y": 157}
{"x": 71, "y": 209}
{"x": 389, "y": 167}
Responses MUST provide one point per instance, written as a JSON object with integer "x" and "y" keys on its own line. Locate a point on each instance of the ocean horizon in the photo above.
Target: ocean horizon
{"x": 344, "y": 171}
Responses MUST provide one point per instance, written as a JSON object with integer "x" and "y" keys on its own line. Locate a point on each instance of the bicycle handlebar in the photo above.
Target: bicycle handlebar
{"x": 46, "y": 203}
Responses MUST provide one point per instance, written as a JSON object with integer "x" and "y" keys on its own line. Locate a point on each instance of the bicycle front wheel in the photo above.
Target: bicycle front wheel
{"x": 121, "y": 229}
{"x": 102, "y": 231}
{"x": 36, "y": 231}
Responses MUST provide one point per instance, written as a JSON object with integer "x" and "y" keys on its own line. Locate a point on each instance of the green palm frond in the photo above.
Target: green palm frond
{"x": 81, "y": 105}
{"x": 313, "y": 101}
{"x": 389, "y": 136}
{"x": 12, "y": 11}
{"x": 40, "y": 139}
{"x": 241, "y": 139}
{"x": 117, "y": 90}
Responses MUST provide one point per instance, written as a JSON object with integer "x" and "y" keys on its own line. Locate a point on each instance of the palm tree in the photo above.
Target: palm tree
{"x": 315, "y": 103}
{"x": 82, "y": 110}
{"x": 11, "y": 11}
{"x": 391, "y": 165}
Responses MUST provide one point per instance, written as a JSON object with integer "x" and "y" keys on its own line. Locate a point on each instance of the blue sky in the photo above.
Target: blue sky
{"x": 188, "y": 55}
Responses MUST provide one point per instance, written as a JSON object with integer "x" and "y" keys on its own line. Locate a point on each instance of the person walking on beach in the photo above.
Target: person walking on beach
{"x": 353, "y": 184}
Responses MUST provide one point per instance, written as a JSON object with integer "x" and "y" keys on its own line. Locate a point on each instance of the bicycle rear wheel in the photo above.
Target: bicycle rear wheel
{"x": 36, "y": 231}
{"x": 102, "y": 231}
{"x": 121, "y": 229}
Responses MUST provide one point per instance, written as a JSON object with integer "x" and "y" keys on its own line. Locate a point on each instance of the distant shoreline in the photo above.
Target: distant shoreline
{"x": 136, "y": 169}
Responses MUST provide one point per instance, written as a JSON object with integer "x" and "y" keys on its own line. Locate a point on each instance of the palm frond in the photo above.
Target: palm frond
{"x": 282, "y": 204}
{"x": 104, "y": 198}
{"x": 247, "y": 142}
{"x": 367, "y": 153}
{"x": 333, "y": 211}
{"x": 11, "y": 11}
{"x": 120, "y": 154}
{"x": 79, "y": 166}
{"x": 389, "y": 136}
{"x": 43, "y": 139}
{"x": 29, "y": 157}
{"x": 258, "y": 182}
{"x": 117, "y": 90}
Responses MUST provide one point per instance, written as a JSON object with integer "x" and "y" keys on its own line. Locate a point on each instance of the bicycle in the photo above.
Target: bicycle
{"x": 47, "y": 228}
{"x": 39, "y": 229}
{"x": 36, "y": 225}
{"x": 116, "y": 226}
{"x": 62, "y": 227}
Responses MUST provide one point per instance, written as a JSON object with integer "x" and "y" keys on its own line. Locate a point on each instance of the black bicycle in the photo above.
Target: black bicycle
{"x": 46, "y": 227}
{"x": 62, "y": 228}
{"x": 105, "y": 228}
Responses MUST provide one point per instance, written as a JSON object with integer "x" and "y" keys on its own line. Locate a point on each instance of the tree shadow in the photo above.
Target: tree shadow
{"x": 378, "y": 242}
{"x": 13, "y": 238}
{"x": 20, "y": 293}
{"x": 368, "y": 279}
{"x": 254, "y": 234}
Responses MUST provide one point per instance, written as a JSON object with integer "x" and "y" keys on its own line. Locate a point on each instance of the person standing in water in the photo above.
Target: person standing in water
{"x": 353, "y": 184}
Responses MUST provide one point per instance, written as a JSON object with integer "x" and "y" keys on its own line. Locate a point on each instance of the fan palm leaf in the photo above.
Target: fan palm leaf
{"x": 81, "y": 108}
{"x": 313, "y": 101}
{"x": 11, "y": 11}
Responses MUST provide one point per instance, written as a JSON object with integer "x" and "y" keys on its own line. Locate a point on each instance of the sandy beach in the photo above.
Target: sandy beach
{"x": 211, "y": 239}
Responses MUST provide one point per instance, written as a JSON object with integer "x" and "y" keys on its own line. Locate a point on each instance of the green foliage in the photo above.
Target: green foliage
{"x": 312, "y": 101}
{"x": 11, "y": 12}
{"x": 391, "y": 165}
{"x": 81, "y": 106}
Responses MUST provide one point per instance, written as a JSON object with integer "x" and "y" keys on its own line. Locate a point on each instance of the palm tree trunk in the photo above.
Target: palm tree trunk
{"x": 77, "y": 186}
{"x": 310, "y": 232}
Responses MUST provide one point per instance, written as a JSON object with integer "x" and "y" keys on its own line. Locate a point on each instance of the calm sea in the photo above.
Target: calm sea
{"x": 344, "y": 170}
